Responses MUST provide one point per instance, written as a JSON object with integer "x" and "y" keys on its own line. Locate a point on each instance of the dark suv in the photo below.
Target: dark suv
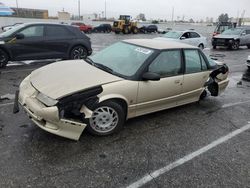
{"x": 35, "y": 41}
{"x": 149, "y": 29}
{"x": 103, "y": 28}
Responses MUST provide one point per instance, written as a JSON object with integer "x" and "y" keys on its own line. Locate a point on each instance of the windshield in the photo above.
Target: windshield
{"x": 122, "y": 58}
{"x": 232, "y": 32}
{"x": 173, "y": 34}
{"x": 11, "y": 31}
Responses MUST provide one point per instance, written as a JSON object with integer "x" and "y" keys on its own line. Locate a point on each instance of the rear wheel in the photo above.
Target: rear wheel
{"x": 201, "y": 46}
{"x": 135, "y": 30}
{"x": 78, "y": 52}
{"x": 4, "y": 58}
{"x": 203, "y": 95}
{"x": 125, "y": 30}
{"x": 107, "y": 118}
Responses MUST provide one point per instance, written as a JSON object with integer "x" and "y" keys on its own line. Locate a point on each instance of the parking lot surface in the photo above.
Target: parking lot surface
{"x": 31, "y": 157}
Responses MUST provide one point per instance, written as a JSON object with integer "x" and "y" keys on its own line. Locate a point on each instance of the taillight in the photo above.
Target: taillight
{"x": 215, "y": 33}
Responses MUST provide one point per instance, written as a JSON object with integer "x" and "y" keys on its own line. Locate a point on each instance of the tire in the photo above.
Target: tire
{"x": 78, "y": 52}
{"x": 108, "y": 31}
{"x": 201, "y": 46}
{"x": 89, "y": 31}
{"x": 248, "y": 46}
{"x": 4, "y": 58}
{"x": 125, "y": 30}
{"x": 203, "y": 95}
{"x": 214, "y": 46}
{"x": 107, "y": 118}
{"x": 235, "y": 45}
{"x": 135, "y": 30}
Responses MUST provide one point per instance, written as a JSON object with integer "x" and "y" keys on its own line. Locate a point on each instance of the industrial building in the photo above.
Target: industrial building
{"x": 30, "y": 13}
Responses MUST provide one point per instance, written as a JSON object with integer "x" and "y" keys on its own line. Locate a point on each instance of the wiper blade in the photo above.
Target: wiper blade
{"x": 90, "y": 61}
{"x": 98, "y": 65}
{"x": 103, "y": 67}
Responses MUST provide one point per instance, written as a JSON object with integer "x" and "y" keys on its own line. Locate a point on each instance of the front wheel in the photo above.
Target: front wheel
{"x": 107, "y": 118}
{"x": 78, "y": 52}
{"x": 235, "y": 45}
{"x": 4, "y": 58}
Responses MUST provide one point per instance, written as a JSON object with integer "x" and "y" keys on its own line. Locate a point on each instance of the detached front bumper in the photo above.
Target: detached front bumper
{"x": 47, "y": 118}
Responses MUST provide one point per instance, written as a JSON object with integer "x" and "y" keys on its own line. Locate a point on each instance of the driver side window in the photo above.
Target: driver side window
{"x": 168, "y": 63}
{"x": 33, "y": 31}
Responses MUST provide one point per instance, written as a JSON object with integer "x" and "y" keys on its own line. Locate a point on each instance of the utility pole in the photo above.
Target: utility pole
{"x": 105, "y": 10}
{"x": 172, "y": 16}
{"x": 17, "y": 11}
{"x": 79, "y": 9}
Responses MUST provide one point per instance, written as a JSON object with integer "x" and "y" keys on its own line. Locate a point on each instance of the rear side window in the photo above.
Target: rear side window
{"x": 194, "y": 35}
{"x": 57, "y": 31}
{"x": 168, "y": 63}
{"x": 33, "y": 31}
{"x": 194, "y": 61}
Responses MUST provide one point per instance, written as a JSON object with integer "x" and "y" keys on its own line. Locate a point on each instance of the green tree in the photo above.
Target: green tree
{"x": 223, "y": 18}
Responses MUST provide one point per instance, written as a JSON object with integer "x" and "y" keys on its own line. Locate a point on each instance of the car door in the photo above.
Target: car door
{"x": 186, "y": 38}
{"x": 195, "y": 77}
{"x": 245, "y": 37}
{"x": 58, "y": 40}
{"x": 196, "y": 38}
{"x": 29, "y": 47}
{"x": 162, "y": 94}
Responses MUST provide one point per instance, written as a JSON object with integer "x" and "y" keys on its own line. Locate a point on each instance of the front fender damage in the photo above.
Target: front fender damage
{"x": 78, "y": 107}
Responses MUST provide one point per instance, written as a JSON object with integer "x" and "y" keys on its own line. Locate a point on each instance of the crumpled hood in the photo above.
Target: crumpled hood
{"x": 226, "y": 36}
{"x": 67, "y": 77}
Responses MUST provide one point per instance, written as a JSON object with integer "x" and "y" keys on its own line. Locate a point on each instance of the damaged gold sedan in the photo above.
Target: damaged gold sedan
{"x": 127, "y": 79}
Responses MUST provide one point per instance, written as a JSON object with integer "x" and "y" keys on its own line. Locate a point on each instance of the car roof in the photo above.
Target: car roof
{"x": 45, "y": 23}
{"x": 158, "y": 44}
{"x": 184, "y": 31}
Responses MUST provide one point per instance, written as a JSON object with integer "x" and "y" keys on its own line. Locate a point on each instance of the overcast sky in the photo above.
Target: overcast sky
{"x": 196, "y": 9}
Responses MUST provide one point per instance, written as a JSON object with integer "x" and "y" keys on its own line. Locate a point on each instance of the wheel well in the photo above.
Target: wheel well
{"x": 122, "y": 102}
{"x": 6, "y": 51}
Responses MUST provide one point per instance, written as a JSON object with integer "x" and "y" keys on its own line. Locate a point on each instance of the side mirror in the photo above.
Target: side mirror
{"x": 182, "y": 38}
{"x": 151, "y": 76}
{"x": 19, "y": 36}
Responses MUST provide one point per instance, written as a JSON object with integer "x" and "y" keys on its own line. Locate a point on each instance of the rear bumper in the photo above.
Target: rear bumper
{"x": 47, "y": 118}
{"x": 222, "y": 85}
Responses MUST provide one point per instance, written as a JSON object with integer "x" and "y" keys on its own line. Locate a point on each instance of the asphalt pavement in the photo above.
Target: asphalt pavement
{"x": 172, "y": 139}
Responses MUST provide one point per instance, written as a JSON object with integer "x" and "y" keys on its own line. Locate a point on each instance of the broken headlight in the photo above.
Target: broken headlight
{"x": 46, "y": 100}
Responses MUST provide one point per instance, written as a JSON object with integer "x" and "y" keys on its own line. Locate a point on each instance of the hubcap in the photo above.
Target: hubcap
{"x": 235, "y": 46}
{"x": 79, "y": 53}
{"x": 104, "y": 119}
